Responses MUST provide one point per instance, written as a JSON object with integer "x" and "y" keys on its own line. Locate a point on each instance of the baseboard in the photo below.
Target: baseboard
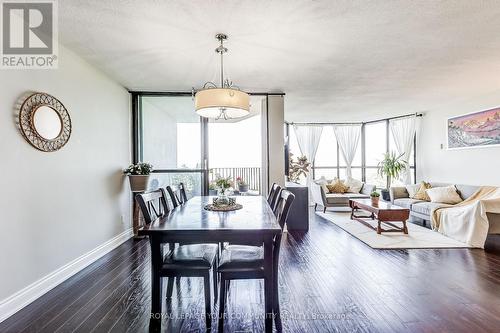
{"x": 25, "y": 296}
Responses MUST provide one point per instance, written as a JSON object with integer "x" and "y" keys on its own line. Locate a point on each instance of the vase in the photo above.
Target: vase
{"x": 138, "y": 183}
{"x": 222, "y": 196}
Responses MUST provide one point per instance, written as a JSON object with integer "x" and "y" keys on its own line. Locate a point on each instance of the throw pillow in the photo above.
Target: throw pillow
{"x": 322, "y": 182}
{"x": 421, "y": 193}
{"x": 353, "y": 184}
{"x": 338, "y": 186}
{"x": 446, "y": 195}
{"x": 412, "y": 189}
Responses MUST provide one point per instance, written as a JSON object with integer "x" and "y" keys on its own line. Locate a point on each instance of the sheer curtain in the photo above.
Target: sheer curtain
{"x": 348, "y": 140}
{"x": 403, "y": 131}
{"x": 308, "y": 137}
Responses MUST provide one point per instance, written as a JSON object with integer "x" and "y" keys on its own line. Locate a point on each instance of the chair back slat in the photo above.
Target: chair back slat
{"x": 153, "y": 205}
{"x": 182, "y": 193}
{"x": 173, "y": 197}
{"x": 272, "y": 193}
{"x": 283, "y": 204}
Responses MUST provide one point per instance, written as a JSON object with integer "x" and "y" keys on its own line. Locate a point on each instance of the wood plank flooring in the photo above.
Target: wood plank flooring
{"x": 329, "y": 282}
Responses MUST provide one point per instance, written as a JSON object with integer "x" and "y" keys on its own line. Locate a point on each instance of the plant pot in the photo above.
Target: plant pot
{"x": 375, "y": 200}
{"x": 243, "y": 188}
{"x": 386, "y": 196}
{"x": 138, "y": 183}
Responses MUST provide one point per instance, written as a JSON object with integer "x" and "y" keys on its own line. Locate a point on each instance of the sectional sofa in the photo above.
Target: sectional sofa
{"x": 421, "y": 210}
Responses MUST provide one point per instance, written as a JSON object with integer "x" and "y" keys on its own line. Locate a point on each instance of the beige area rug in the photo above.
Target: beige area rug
{"x": 418, "y": 237}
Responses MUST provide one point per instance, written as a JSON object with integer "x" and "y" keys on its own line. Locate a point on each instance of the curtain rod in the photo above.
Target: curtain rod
{"x": 190, "y": 93}
{"x": 355, "y": 123}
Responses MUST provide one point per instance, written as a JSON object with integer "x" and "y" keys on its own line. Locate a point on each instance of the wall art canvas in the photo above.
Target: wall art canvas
{"x": 478, "y": 129}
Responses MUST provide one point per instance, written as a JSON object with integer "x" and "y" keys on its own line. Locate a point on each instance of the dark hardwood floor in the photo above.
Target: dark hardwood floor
{"x": 329, "y": 282}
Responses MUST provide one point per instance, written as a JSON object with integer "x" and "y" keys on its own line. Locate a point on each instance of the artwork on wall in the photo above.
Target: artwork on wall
{"x": 478, "y": 129}
{"x": 44, "y": 122}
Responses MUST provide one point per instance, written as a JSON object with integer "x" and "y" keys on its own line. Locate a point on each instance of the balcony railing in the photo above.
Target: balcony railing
{"x": 250, "y": 175}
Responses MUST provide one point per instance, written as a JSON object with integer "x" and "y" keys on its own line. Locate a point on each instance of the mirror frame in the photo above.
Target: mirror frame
{"x": 27, "y": 126}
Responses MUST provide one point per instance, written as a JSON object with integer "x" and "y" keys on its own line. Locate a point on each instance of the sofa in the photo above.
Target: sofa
{"x": 420, "y": 211}
{"x": 327, "y": 200}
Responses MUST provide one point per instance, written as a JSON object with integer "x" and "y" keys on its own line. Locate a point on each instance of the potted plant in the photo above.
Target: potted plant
{"x": 375, "y": 196}
{"x": 298, "y": 168}
{"x": 391, "y": 167}
{"x": 242, "y": 185}
{"x": 138, "y": 175}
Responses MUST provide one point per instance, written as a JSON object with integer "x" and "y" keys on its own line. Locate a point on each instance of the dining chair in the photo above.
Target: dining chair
{"x": 240, "y": 262}
{"x": 272, "y": 198}
{"x": 192, "y": 260}
{"x": 180, "y": 198}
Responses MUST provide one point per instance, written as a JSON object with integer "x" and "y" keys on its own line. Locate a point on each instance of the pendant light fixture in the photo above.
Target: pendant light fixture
{"x": 224, "y": 102}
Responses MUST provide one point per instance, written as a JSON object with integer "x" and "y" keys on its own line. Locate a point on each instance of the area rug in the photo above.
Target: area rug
{"x": 418, "y": 237}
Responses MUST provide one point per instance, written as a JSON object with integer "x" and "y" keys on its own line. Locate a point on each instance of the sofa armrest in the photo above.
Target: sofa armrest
{"x": 398, "y": 192}
{"x": 318, "y": 194}
{"x": 368, "y": 189}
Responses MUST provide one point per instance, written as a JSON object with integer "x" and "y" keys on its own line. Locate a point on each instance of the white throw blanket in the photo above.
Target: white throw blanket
{"x": 467, "y": 221}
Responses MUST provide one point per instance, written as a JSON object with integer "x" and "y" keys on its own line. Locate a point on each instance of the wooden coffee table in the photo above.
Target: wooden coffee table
{"x": 384, "y": 212}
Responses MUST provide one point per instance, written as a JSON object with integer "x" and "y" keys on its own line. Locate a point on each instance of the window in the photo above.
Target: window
{"x": 329, "y": 162}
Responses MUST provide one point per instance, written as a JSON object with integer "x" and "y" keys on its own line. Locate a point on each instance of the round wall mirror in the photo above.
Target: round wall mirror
{"x": 44, "y": 122}
{"x": 47, "y": 122}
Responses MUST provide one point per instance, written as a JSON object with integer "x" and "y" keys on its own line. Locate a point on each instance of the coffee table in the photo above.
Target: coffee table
{"x": 385, "y": 212}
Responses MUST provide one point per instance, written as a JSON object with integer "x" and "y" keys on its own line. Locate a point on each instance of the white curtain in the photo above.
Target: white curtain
{"x": 308, "y": 137}
{"x": 403, "y": 131}
{"x": 348, "y": 140}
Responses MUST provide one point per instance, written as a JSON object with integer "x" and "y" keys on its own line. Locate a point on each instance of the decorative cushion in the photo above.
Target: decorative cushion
{"x": 337, "y": 187}
{"x": 322, "y": 182}
{"x": 241, "y": 257}
{"x": 353, "y": 184}
{"x": 446, "y": 195}
{"x": 421, "y": 194}
{"x": 412, "y": 189}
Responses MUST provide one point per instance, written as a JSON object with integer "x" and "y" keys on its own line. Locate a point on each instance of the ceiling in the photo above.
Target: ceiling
{"x": 335, "y": 60}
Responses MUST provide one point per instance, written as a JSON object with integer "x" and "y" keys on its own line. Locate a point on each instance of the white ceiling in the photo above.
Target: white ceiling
{"x": 335, "y": 60}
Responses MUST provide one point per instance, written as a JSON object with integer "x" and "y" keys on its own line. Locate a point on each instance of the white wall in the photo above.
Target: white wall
{"x": 476, "y": 166}
{"x": 58, "y": 206}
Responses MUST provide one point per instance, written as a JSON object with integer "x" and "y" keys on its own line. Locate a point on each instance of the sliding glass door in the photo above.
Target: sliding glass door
{"x": 170, "y": 138}
{"x": 183, "y": 147}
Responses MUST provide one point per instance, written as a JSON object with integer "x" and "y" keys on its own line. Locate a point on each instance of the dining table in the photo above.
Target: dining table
{"x": 254, "y": 223}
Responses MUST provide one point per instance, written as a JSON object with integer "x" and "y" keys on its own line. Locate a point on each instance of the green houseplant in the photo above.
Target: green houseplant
{"x": 138, "y": 175}
{"x": 391, "y": 167}
{"x": 375, "y": 196}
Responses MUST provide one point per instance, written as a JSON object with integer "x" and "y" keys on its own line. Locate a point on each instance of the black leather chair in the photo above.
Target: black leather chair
{"x": 247, "y": 262}
{"x": 193, "y": 260}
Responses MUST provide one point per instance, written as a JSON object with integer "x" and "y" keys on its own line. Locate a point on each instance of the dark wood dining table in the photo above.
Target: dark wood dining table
{"x": 190, "y": 222}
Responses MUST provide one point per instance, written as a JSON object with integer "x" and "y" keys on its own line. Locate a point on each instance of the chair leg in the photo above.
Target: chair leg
{"x": 170, "y": 286}
{"x": 315, "y": 206}
{"x": 215, "y": 278}
{"x": 324, "y": 209}
{"x": 222, "y": 302}
{"x": 208, "y": 301}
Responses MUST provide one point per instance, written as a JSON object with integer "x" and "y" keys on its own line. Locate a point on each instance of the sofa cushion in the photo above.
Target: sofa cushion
{"x": 421, "y": 193}
{"x": 466, "y": 191}
{"x": 338, "y": 186}
{"x": 336, "y": 198}
{"x": 412, "y": 189}
{"x": 406, "y": 202}
{"x": 426, "y": 208}
{"x": 354, "y": 185}
{"x": 446, "y": 194}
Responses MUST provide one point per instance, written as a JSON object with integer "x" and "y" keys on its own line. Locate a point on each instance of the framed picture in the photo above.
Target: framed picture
{"x": 474, "y": 130}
